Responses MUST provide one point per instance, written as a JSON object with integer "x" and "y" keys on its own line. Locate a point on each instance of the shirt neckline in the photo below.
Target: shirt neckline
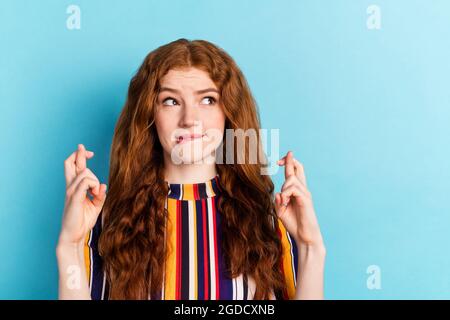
{"x": 195, "y": 191}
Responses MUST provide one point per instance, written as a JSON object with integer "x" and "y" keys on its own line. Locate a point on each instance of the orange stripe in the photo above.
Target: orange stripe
{"x": 288, "y": 261}
{"x": 169, "y": 286}
{"x": 188, "y": 192}
{"x": 87, "y": 256}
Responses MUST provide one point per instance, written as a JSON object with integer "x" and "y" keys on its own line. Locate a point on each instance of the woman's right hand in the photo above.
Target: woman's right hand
{"x": 80, "y": 212}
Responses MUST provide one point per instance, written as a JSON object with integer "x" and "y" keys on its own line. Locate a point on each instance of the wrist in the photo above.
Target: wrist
{"x": 316, "y": 249}
{"x": 64, "y": 248}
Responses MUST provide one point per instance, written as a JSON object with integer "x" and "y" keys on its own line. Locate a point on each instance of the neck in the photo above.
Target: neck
{"x": 188, "y": 173}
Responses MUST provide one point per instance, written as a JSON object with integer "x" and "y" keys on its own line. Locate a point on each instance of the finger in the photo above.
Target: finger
{"x": 85, "y": 184}
{"x": 85, "y": 173}
{"x": 293, "y": 181}
{"x": 280, "y": 208}
{"x": 299, "y": 169}
{"x": 278, "y": 203}
{"x": 69, "y": 168}
{"x": 290, "y": 192}
{"x": 80, "y": 161}
{"x": 99, "y": 199}
{"x": 289, "y": 169}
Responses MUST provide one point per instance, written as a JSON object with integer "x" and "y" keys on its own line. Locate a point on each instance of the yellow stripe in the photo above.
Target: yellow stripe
{"x": 288, "y": 261}
{"x": 210, "y": 188}
{"x": 87, "y": 256}
{"x": 169, "y": 286}
{"x": 188, "y": 192}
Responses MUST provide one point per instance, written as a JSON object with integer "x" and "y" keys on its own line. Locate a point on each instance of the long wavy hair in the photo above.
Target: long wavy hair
{"x": 132, "y": 240}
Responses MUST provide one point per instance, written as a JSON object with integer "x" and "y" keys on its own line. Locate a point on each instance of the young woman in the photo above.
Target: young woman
{"x": 177, "y": 224}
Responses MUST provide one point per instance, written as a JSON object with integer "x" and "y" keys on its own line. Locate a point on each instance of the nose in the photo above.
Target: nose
{"x": 190, "y": 115}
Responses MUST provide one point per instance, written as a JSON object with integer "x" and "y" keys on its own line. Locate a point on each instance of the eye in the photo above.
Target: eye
{"x": 169, "y": 102}
{"x": 209, "y": 100}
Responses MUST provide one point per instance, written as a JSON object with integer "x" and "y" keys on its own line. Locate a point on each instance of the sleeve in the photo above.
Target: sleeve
{"x": 94, "y": 264}
{"x": 289, "y": 261}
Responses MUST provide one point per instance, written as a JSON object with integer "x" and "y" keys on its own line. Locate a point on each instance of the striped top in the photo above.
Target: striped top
{"x": 195, "y": 266}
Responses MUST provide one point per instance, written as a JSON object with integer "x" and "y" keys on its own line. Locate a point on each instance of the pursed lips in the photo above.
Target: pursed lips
{"x": 188, "y": 137}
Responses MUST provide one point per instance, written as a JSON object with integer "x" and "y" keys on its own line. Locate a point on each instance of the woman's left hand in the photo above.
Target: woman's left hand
{"x": 294, "y": 205}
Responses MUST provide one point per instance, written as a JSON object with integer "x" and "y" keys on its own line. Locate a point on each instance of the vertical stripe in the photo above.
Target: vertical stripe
{"x": 96, "y": 283}
{"x": 245, "y": 287}
{"x": 184, "y": 250}
{"x": 165, "y": 252}
{"x": 202, "y": 191}
{"x": 211, "y": 250}
{"x": 295, "y": 253}
{"x": 226, "y": 285}
{"x": 91, "y": 259}
{"x": 194, "y": 214}
{"x": 179, "y": 251}
{"x": 234, "y": 288}
{"x": 216, "y": 258}
{"x": 209, "y": 189}
{"x": 191, "y": 252}
{"x": 195, "y": 191}
{"x": 188, "y": 192}
{"x": 239, "y": 287}
{"x": 106, "y": 297}
{"x": 87, "y": 257}
{"x": 171, "y": 264}
{"x": 251, "y": 287}
{"x": 284, "y": 261}
{"x": 200, "y": 254}
{"x": 291, "y": 256}
{"x": 216, "y": 185}
{"x": 288, "y": 263}
{"x": 205, "y": 250}
{"x": 104, "y": 285}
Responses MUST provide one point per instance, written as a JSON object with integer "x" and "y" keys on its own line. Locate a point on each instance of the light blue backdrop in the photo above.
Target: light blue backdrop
{"x": 366, "y": 110}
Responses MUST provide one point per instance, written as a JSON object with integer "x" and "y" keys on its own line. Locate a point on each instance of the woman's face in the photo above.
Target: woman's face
{"x": 189, "y": 118}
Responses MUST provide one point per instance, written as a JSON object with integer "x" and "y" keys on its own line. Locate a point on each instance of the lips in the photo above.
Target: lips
{"x": 188, "y": 137}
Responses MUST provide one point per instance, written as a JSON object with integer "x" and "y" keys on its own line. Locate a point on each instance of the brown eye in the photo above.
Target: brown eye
{"x": 169, "y": 102}
{"x": 208, "y": 100}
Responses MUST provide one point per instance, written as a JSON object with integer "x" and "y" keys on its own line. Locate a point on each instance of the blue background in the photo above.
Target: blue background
{"x": 366, "y": 111}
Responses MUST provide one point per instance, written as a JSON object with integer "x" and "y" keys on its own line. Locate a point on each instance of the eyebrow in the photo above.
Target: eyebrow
{"x": 197, "y": 92}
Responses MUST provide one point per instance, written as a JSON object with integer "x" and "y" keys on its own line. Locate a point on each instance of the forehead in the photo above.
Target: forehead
{"x": 191, "y": 78}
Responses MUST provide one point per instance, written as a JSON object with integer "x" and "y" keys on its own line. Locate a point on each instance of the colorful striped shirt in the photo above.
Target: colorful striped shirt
{"x": 195, "y": 266}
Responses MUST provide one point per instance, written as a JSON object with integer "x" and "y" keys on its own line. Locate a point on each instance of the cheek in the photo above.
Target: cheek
{"x": 164, "y": 126}
{"x": 215, "y": 128}
{"x": 216, "y": 120}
